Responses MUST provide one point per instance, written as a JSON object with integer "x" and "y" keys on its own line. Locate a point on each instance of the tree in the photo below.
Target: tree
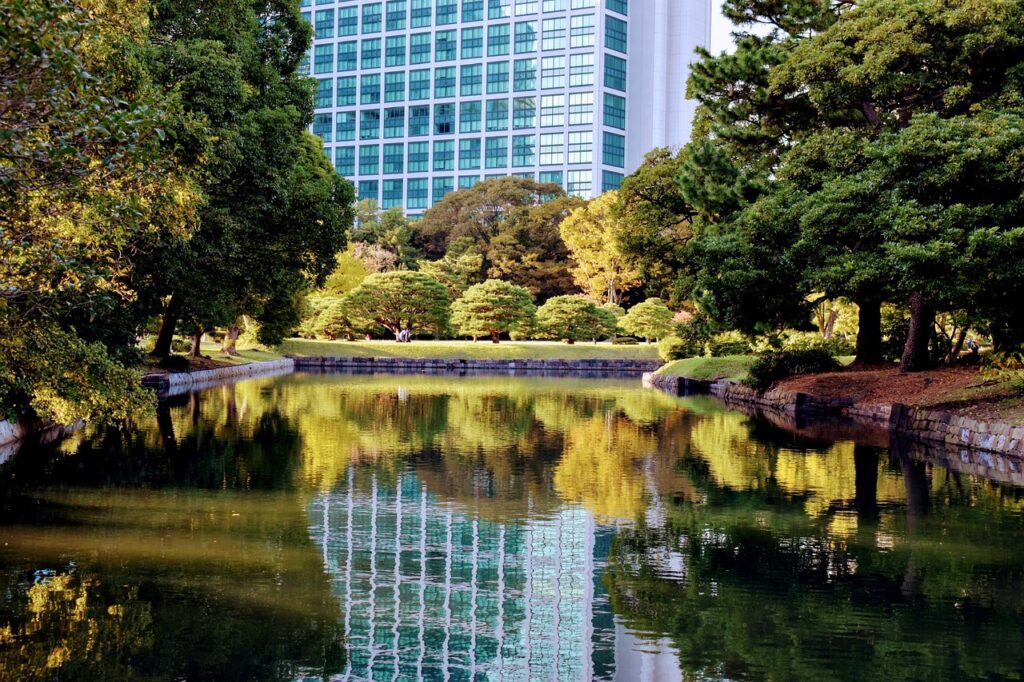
{"x": 651, "y": 319}
{"x": 493, "y": 308}
{"x": 400, "y": 300}
{"x": 275, "y": 213}
{"x": 457, "y": 272}
{"x": 573, "y": 318}
{"x": 383, "y": 240}
{"x": 598, "y": 265}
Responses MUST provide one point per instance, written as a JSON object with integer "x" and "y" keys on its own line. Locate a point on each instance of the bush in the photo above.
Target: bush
{"x": 624, "y": 341}
{"x": 181, "y": 345}
{"x": 775, "y": 366}
{"x": 808, "y": 340}
{"x": 727, "y": 343}
{"x": 674, "y": 348}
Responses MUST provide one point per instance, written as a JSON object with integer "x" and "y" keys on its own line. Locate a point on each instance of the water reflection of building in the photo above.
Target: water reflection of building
{"x": 431, "y": 593}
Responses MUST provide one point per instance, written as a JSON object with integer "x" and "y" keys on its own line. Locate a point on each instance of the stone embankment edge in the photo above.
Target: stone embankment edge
{"x": 176, "y": 382}
{"x": 926, "y": 424}
{"x": 379, "y": 364}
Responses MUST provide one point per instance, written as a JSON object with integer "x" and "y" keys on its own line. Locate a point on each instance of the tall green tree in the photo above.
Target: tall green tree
{"x": 650, "y": 319}
{"x": 598, "y": 263}
{"x": 573, "y": 318}
{"x": 399, "y": 300}
{"x": 493, "y": 308}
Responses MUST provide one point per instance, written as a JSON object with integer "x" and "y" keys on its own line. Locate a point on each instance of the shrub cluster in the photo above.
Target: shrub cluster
{"x": 774, "y": 366}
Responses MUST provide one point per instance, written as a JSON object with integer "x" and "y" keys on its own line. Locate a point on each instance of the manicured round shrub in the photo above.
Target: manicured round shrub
{"x": 493, "y": 308}
{"x": 674, "y": 348}
{"x": 573, "y": 318}
{"x": 651, "y": 320}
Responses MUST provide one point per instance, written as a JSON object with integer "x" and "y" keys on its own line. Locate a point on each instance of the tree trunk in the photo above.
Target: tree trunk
{"x": 570, "y": 341}
{"x": 230, "y": 340}
{"x": 869, "y": 332}
{"x": 197, "y": 341}
{"x": 922, "y": 319}
{"x": 162, "y": 347}
{"x": 954, "y": 353}
{"x": 494, "y": 337}
{"x": 828, "y": 328}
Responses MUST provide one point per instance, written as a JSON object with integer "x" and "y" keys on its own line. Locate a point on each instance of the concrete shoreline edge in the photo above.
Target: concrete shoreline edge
{"x": 801, "y": 410}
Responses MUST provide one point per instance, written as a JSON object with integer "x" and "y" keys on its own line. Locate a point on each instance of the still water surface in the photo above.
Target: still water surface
{"x": 453, "y": 528}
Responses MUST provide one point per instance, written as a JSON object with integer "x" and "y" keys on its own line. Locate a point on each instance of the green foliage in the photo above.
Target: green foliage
{"x": 598, "y": 264}
{"x": 774, "y": 366}
{"x": 651, "y": 319}
{"x": 457, "y": 272}
{"x": 1006, "y": 366}
{"x": 348, "y": 273}
{"x": 674, "y": 348}
{"x": 493, "y": 308}
{"x": 399, "y": 300}
{"x": 807, "y": 340}
{"x": 574, "y": 318}
{"x": 726, "y": 343}
{"x": 625, "y": 341}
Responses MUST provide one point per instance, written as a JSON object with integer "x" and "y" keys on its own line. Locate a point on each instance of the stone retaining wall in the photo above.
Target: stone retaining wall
{"x": 180, "y": 382}
{"x": 932, "y": 425}
{"x": 378, "y": 364}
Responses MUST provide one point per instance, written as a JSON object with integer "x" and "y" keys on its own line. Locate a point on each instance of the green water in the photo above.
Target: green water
{"x": 404, "y": 527}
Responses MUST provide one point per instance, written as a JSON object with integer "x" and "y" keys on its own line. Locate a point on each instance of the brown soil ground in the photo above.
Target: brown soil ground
{"x": 202, "y": 362}
{"x": 960, "y": 389}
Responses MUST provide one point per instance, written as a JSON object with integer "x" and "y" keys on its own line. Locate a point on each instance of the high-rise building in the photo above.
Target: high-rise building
{"x": 416, "y": 98}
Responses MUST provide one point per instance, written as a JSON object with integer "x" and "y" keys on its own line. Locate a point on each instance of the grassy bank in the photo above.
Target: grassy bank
{"x": 733, "y": 367}
{"x": 482, "y": 350}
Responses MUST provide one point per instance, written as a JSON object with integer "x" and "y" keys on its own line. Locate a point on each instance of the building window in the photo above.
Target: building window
{"x": 444, "y": 82}
{"x": 394, "y": 52}
{"x": 471, "y": 80}
{"x": 369, "y": 161}
{"x": 614, "y": 153}
{"x": 525, "y": 75}
{"x": 581, "y": 183}
{"x": 419, "y": 84}
{"x": 441, "y": 187}
{"x": 554, "y": 5}
{"x": 392, "y": 195}
{"x": 581, "y": 108}
{"x": 396, "y": 15}
{"x": 497, "y": 152}
{"x": 497, "y": 77}
{"x": 552, "y": 73}
{"x": 371, "y": 53}
{"x": 324, "y": 93}
{"x": 369, "y": 88}
{"x": 324, "y": 25}
{"x": 552, "y": 149}
{"x": 552, "y": 111}
{"x": 526, "y": 36}
{"x": 467, "y": 181}
{"x": 444, "y": 119}
{"x": 581, "y": 31}
{"x": 610, "y": 180}
{"x": 347, "y": 56}
{"x": 447, "y": 12}
{"x": 394, "y": 157}
{"x": 499, "y": 9}
{"x": 497, "y": 115}
{"x": 497, "y": 40}
{"x": 581, "y": 147}
{"x": 444, "y": 155}
{"x": 472, "y": 10}
{"x": 322, "y": 125}
{"x": 524, "y": 113}
{"x": 615, "y": 34}
{"x": 419, "y": 48}
{"x": 323, "y": 58}
{"x": 420, "y": 14}
{"x": 524, "y": 7}
{"x": 419, "y": 121}
{"x": 417, "y": 193}
{"x": 615, "y": 111}
{"x": 445, "y": 46}
{"x": 345, "y": 95}
{"x": 345, "y": 160}
{"x": 419, "y": 157}
{"x": 523, "y": 150}
{"x": 469, "y": 154}
{"x": 552, "y": 177}
{"x": 614, "y": 72}
{"x": 394, "y": 86}
{"x": 470, "y": 115}
{"x": 345, "y": 126}
{"x": 348, "y": 21}
{"x": 581, "y": 70}
{"x": 371, "y": 18}
{"x": 553, "y": 37}
{"x": 394, "y": 122}
{"x": 472, "y": 42}
{"x": 620, "y": 6}
{"x": 368, "y": 189}
{"x": 369, "y": 124}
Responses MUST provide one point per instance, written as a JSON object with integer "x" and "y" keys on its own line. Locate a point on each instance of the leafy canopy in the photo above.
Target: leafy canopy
{"x": 492, "y": 308}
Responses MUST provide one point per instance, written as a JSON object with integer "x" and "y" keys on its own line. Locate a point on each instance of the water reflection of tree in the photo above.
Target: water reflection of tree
{"x": 770, "y": 588}
{"x": 176, "y": 552}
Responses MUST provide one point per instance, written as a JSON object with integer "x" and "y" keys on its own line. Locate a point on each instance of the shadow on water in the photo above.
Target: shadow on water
{"x": 373, "y": 525}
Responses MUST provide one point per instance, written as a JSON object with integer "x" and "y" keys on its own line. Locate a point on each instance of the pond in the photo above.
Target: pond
{"x": 514, "y": 528}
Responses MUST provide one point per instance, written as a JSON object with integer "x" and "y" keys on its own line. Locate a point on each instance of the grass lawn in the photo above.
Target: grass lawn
{"x": 482, "y": 350}
{"x": 733, "y": 367}
{"x": 244, "y": 357}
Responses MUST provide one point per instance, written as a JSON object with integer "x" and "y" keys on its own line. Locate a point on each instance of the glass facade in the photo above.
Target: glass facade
{"x": 410, "y": 92}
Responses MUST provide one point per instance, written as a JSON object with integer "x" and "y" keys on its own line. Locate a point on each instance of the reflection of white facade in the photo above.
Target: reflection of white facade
{"x": 431, "y": 593}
